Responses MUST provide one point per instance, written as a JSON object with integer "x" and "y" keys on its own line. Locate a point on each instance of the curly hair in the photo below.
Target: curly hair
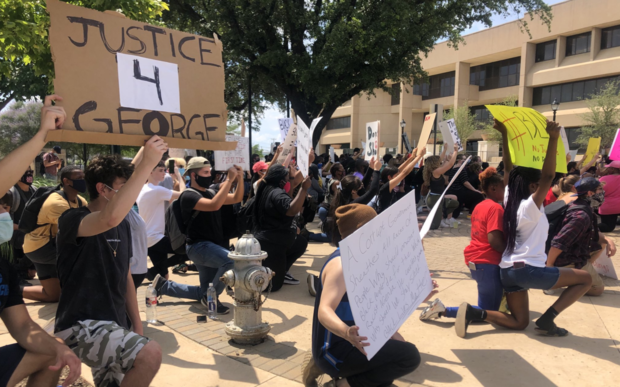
{"x": 105, "y": 169}
{"x": 430, "y": 164}
{"x": 488, "y": 178}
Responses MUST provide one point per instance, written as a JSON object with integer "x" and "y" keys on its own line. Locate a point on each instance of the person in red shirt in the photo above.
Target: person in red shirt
{"x": 484, "y": 252}
{"x": 555, "y": 189}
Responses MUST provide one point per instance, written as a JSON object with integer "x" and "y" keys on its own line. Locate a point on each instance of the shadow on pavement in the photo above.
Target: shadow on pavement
{"x": 433, "y": 373}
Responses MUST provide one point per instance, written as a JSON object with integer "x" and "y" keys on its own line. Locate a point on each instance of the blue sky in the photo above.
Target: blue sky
{"x": 269, "y": 130}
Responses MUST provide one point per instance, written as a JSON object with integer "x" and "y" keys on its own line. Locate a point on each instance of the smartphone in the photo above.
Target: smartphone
{"x": 201, "y": 319}
{"x": 518, "y": 264}
{"x": 171, "y": 167}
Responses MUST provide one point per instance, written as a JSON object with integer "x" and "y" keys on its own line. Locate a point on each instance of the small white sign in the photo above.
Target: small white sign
{"x": 289, "y": 143}
{"x": 564, "y": 139}
{"x": 604, "y": 266}
{"x": 304, "y": 144}
{"x": 385, "y": 272}
{"x": 284, "y": 124}
{"x": 239, "y": 157}
{"x": 372, "y": 140}
{"x": 148, "y": 84}
{"x": 332, "y": 155}
{"x": 450, "y": 134}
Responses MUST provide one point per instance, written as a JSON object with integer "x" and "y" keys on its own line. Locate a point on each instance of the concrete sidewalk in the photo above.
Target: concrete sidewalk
{"x": 201, "y": 355}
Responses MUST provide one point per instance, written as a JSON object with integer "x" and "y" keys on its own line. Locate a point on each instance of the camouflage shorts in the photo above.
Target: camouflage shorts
{"x": 107, "y": 348}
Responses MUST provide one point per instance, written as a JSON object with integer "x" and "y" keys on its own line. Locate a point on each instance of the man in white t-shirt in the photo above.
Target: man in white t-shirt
{"x": 152, "y": 206}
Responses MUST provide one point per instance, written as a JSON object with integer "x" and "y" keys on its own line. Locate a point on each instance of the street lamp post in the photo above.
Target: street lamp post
{"x": 555, "y": 106}
{"x": 402, "y": 130}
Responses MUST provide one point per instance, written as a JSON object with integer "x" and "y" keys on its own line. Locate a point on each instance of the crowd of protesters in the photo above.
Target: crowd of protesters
{"x": 531, "y": 229}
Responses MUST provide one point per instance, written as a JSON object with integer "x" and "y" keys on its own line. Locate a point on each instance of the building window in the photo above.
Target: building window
{"x": 339, "y": 123}
{"x": 569, "y": 92}
{"x": 578, "y": 44}
{"x": 610, "y": 37}
{"x": 480, "y": 113}
{"x": 441, "y": 85}
{"x": 571, "y": 135}
{"x": 495, "y": 75}
{"x": 395, "y": 94}
{"x": 545, "y": 51}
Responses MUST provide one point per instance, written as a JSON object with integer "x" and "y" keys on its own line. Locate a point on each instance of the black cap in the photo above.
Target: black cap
{"x": 57, "y": 148}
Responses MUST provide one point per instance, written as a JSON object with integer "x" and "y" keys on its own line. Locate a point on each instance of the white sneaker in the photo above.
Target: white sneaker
{"x": 452, "y": 222}
{"x": 432, "y": 311}
{"x": 549, "y": 292}
{"x": 444, "y": 224}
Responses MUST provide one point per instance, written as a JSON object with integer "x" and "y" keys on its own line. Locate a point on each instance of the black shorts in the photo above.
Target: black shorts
{"x": 11, "y": 356}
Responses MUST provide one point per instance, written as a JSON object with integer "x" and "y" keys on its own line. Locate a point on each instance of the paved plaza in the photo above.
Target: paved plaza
{"x": 201, "y": 354}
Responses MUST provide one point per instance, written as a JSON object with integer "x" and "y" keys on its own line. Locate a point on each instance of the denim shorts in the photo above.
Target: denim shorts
{"x": 529, "y": 277}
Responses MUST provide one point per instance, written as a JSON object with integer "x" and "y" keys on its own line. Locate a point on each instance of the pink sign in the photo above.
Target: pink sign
{"x": 614, "y": 153}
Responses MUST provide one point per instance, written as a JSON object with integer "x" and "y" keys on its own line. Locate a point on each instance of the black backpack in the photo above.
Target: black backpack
{"x": 245, "y": 215}
{"x": 29, "y": 220}
{"x": 176, "y": 228}
{"x": 556, "y": 212}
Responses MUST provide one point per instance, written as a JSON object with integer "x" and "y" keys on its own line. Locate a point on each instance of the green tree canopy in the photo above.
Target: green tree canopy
{"x": 321, "y": 53}
{"x": 603, "y": 118}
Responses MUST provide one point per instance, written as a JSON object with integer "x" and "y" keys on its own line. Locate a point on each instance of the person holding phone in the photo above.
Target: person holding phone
{"x": 523, "y": 264}
{"x": 152, "y": 206}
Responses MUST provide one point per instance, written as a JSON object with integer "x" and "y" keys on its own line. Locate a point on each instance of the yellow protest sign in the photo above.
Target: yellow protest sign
{"x": 594, "y": 145}
{"x": 527, "y": 136}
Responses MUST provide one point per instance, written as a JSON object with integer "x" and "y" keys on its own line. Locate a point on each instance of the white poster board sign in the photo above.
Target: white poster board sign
{"x": 304, "y": 144}
{"x": 450, "y": 134}
{"x": 604, "y": 266}
{"x": 564, "y": 139}
{"x": 239, "y": 157}
{"x": 427, "y": 223}
{"x": 289, "y": 143}
{"x": 148, "y": 83}
{"x": 332, "y": 155}
{"x": 573, "y": 154}
{"x": 284, "y": 124}
{"x": 385, "y": 272}
{"x": 372, "y": 140}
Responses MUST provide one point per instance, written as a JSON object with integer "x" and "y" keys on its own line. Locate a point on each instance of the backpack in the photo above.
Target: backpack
{"x": 176, "y": 229}
{"x": 39, "y": 159}
{"x": 556, "y": 212}
{"x": 18, "y": 196}
{"x": 29, "y": 220}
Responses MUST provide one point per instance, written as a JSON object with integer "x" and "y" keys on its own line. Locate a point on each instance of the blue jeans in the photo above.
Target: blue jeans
{"x": 490, "y": 288}
{"x": 212, "y": 262}
{"x": 321, "y": 237}
{"x": 323, "y": 214}
{"x": 529, "y": 277}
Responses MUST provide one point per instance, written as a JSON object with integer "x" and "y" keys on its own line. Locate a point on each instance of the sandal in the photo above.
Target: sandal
{"x": 553, "y": 332}
{"x": 180, "y": 269}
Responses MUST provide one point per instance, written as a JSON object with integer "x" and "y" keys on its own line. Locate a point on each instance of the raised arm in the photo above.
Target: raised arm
{"x": 373, "y": 189}
{"x": 589, "y": 164}
{"x": 15, "y": 163}
{"x": 118, "y": 207}
{"x": 402, "y": 174}
{"x": 445, "y": 167}
{"x": 298, "y": 203}
{"x": 209, "y": 205}
{"x": 236, "y": 197}
{"x": 501, "y": 128}
{"x": 138, "y": 157}
{"x": 548, "y": 169}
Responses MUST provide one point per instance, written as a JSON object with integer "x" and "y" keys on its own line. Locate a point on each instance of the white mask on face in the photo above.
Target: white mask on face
{"x": 6, "y": 227}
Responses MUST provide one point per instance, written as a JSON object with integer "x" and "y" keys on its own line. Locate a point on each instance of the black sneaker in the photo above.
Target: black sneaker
{"x": 221, "y": 309}
{"x": 290, "y": 280}
{"x": 311, "y": 288}
{"x": 230, "y": 291}
{"x": 465, "y": 315}
{"x": 158, "y": 282}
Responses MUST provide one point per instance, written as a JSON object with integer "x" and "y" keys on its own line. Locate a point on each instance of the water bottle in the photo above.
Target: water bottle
{"x": 212, "y": 302}
{"x": 151, "y": 305}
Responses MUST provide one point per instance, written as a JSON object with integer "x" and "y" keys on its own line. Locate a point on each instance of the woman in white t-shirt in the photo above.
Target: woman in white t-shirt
{"x": 523, "y": 264}
{"x": 151, "y": 204}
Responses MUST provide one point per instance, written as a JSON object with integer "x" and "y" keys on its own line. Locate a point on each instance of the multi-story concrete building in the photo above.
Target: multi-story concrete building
{"x": 578, "y": 55}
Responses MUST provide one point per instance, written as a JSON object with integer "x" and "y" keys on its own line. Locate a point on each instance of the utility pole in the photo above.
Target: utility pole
{"x": 250, "y": 112}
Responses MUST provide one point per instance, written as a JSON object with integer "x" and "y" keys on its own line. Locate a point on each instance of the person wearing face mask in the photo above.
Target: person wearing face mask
{"x": 206, "y": 245}
{"x": 273, "y": 216}
{"x": 579, "y": 243}
{"x": 22, "y": 192}
{"x": 152, "y": 206}
{"x": 40, "y": 244}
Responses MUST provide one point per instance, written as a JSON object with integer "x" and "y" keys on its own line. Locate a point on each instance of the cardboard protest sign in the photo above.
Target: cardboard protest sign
{"x": 332, "y": 154}
{"x": 429, "y": 120}
{"x": 594, "y": 146}
{"x": 289, "y": 144}
{"x": 527, "y": 136}
{"x": 385, "y": 272}
{"x": 450, "y": 135}
{"x": 564, "y": 139}
{"x": 429, "y": 219}
{"x": 372, "y": 140}
{"x": 284, "y": 124}
{"x": 304, "y": 144}
{"x": 239, "y": 156}
{"x": 124, "y": 81}
{"x": 614, "y": 153}
{"x": 604, "y": 266}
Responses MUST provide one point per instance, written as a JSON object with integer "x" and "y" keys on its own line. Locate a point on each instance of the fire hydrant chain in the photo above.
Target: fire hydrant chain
{"x": 255, "y": 298}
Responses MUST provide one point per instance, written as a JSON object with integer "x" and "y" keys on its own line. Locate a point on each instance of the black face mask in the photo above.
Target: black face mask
{"x": 79, "y": 185}
{"x": 204, "y": 182}
{"x": 27, "y": 178}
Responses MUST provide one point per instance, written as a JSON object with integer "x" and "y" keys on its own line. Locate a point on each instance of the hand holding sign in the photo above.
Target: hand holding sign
{"x": 52, "y": 117}
{"x": 356, "y": 340}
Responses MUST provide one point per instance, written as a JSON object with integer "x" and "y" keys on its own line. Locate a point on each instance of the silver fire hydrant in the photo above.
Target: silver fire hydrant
{"x": 249, "y": 279}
